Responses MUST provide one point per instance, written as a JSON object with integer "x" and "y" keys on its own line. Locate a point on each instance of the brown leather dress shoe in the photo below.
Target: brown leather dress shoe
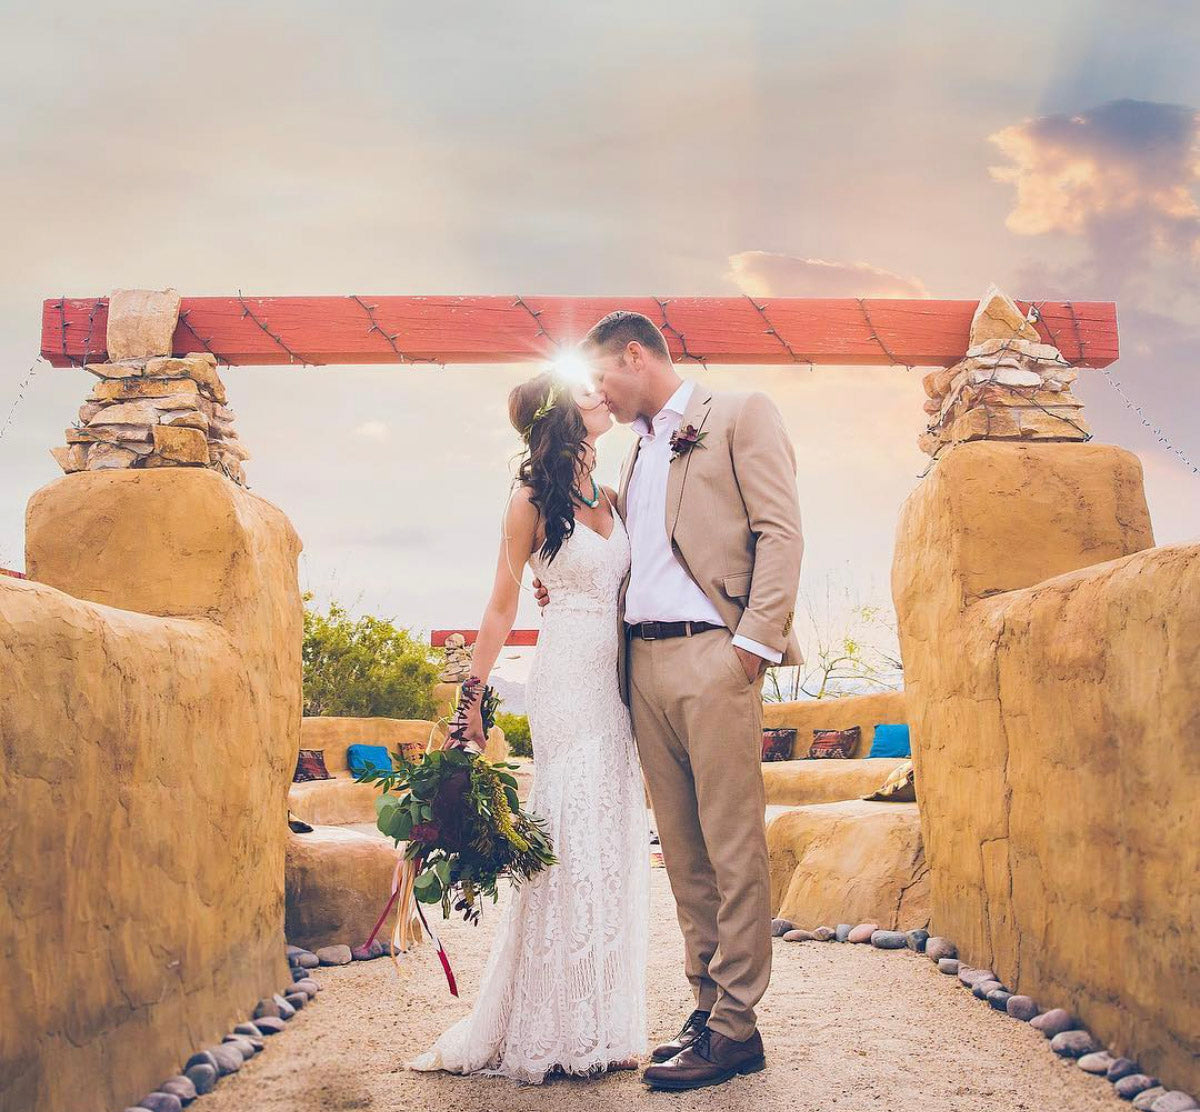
{"x": 694, "y": 1025}
{"x": 711, "y": 1059}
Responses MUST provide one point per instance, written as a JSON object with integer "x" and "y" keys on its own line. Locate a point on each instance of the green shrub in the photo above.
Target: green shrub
{"x": 516, "y": 731}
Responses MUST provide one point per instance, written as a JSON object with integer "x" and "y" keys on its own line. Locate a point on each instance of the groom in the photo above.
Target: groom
{"x": 708, "y": 495}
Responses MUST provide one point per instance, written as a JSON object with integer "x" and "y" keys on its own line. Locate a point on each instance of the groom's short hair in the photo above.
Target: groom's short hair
{"x": 614, "y": 331}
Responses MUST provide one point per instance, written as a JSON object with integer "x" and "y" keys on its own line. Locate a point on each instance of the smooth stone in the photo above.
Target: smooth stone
{"x": 948, "y": 965}
{"x": 917, "y": 939}
{"x": 999, "y": 998}
{"x": 294, "y": 951}
{"x": 1133, "y": 1084}
{"x": 229, "y": 1058}
{"x": 1022, "y": 1007}
{"x": 797, "y": 936}
{"x": 255, "y": 1042}
{"x": 779, "y": 927}
{"x": 203, "y": 1076}
{"x": 1145, "y": 1100}
{"x": 309, "y": 986}
{"x": 969, "y": 977}
{"x": 1054, "y": 1022}
{"x": 283, "y": 1006}
{"x": 889, "y": 940}
{"x": 247, "y": 1029}
{"x": 162, "y": 1102}
{"x": 266, "y": 1007}
{"x": 334, "y": 955}
{"x": 937, "y": 948}
{"x": 298, "y": 973}
{"x": 862, "y": 933}
{"x": 308, "y": 961}
{"x": 1174, "y": 1101}
{"x": 181, "y": 1087}
{"x": 980, "y": 989}
{"x": 200, "y": 1057}
{"x": 297, "y": 999}
{"x": 379, "y": 948}
{"x": 361, "y": 953}
{"x": 1073, "y": 1044}
{"x": 1121, "y": 1067}
{"x": 1096, "y": 1063}
{"x": 823, "y": 934}
{"x": 270, "y": 1024}
{"x": 243, "y": 1046}
{"x": 842, "y": 931}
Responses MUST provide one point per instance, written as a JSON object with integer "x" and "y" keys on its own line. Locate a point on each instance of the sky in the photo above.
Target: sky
{"x": 791, "y": 148}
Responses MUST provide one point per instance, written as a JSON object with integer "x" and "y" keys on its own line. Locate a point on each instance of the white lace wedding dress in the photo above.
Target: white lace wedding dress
{"x": 565, "y": 983}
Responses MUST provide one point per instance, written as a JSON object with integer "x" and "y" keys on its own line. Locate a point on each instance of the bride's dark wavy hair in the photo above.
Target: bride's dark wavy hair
{"x": 553, "y": 429}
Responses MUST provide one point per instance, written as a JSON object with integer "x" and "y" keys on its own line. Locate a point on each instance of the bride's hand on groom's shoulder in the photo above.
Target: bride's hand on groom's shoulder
{"x": 540, "y": 593}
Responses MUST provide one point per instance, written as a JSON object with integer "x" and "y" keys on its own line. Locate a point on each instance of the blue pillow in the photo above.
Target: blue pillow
{"x": 890, "y": 740}
{"x": 358, "y": 757}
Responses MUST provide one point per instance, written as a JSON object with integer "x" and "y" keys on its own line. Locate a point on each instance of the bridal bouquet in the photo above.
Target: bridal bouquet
{"x": 462, "y": 824}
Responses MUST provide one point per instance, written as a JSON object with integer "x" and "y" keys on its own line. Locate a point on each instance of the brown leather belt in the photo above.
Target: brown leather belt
{"x": 656, "y": 631}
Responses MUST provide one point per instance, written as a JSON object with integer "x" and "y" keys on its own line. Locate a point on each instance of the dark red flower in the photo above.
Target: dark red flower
{"x": 425, "y": 832}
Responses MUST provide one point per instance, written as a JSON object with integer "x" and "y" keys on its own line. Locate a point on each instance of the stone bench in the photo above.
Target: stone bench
{"x": 796, "y": 783}
{"x": 337, "y": 881}
{"x": 849, "y": 862}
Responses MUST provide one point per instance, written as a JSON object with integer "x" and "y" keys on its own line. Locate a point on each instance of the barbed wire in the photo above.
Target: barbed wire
{"x": 391, "y": 337}
{"x": 772, "y": 331}
{"x": 862, "y": 304}
{"x": 292, "y": 356}
{"x": 667, "y": 326}
{"x": 1159, "y": 435}
{"x": 183, "y": 319}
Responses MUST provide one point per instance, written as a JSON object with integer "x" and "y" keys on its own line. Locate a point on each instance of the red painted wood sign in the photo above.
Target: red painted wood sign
{"x": 518, "y": 636}
{"x": 259, "y": 331}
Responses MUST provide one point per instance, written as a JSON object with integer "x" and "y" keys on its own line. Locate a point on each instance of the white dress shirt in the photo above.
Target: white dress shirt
{"x": 660, "y": 589}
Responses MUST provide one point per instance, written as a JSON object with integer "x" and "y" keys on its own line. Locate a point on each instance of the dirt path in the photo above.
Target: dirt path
{"x": 846, "y": 1027}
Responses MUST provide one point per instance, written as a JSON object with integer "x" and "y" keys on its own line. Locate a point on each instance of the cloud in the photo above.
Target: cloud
{"x": 1120, "y": 175}
{"x": 374, "y": 430}
{"x": 766, "y": 274}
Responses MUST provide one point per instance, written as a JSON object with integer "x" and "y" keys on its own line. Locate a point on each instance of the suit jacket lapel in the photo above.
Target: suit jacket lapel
{"x": 697, "y": 413}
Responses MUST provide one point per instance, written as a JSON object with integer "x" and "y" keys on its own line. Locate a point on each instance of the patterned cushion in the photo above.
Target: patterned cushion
{"x": 899, "y": 787}
{"x": 834, "y": 743}
{"x": 777, "y": 744}
{"x": 310, "y": 765}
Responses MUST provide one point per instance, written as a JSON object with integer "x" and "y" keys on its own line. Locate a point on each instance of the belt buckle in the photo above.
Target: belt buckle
{"x": 646, "y": 626}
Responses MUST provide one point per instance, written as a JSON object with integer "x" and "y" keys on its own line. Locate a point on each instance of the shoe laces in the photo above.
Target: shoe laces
{"x": 702, "y": 1045}
{"x": 696, "y": 1021}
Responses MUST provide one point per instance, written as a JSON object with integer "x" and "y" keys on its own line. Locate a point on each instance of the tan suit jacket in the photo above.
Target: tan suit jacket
{"x": 733, "y": 518}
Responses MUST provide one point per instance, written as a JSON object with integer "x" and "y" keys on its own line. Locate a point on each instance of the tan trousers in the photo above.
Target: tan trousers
{"x": 698, "y": 725}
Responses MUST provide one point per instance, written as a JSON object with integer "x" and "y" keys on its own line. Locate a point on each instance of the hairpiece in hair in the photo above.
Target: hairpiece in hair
{"x": 543, "y": 410}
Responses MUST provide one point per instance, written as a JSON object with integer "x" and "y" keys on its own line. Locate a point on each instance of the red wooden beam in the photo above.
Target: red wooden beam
{"x": 259, "y": 331}
{"x": 518, "y": 636}
{"x": 14, "y": 574}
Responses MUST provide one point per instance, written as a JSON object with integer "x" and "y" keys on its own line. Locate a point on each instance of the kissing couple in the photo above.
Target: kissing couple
{"x": 663, "y": 603}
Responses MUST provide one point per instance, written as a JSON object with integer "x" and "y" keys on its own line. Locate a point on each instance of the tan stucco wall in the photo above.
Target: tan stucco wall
{"x": 863, "y": 711}
{"x": 795, "y": 783}
{"x": 149, "y": 721}
{"x": 1051, "y": 659}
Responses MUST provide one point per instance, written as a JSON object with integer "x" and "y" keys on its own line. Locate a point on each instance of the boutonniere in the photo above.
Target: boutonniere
{"x": 685, "y": 440}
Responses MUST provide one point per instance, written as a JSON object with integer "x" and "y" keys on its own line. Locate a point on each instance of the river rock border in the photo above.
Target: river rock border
{"x": 1067, "y": 1037}
{"x": 206, "y": 1067}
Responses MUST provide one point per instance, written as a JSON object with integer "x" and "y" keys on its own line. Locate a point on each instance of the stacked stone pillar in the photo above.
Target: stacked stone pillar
{"x": 1009, "y": 386}
{"x": 149, "y": 407}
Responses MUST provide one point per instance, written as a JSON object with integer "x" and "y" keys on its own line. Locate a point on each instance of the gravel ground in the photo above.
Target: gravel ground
{"x": 845, "y": 1027}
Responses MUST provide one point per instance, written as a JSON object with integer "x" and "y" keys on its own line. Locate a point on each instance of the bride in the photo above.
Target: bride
{"x": 564, "y": 987}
